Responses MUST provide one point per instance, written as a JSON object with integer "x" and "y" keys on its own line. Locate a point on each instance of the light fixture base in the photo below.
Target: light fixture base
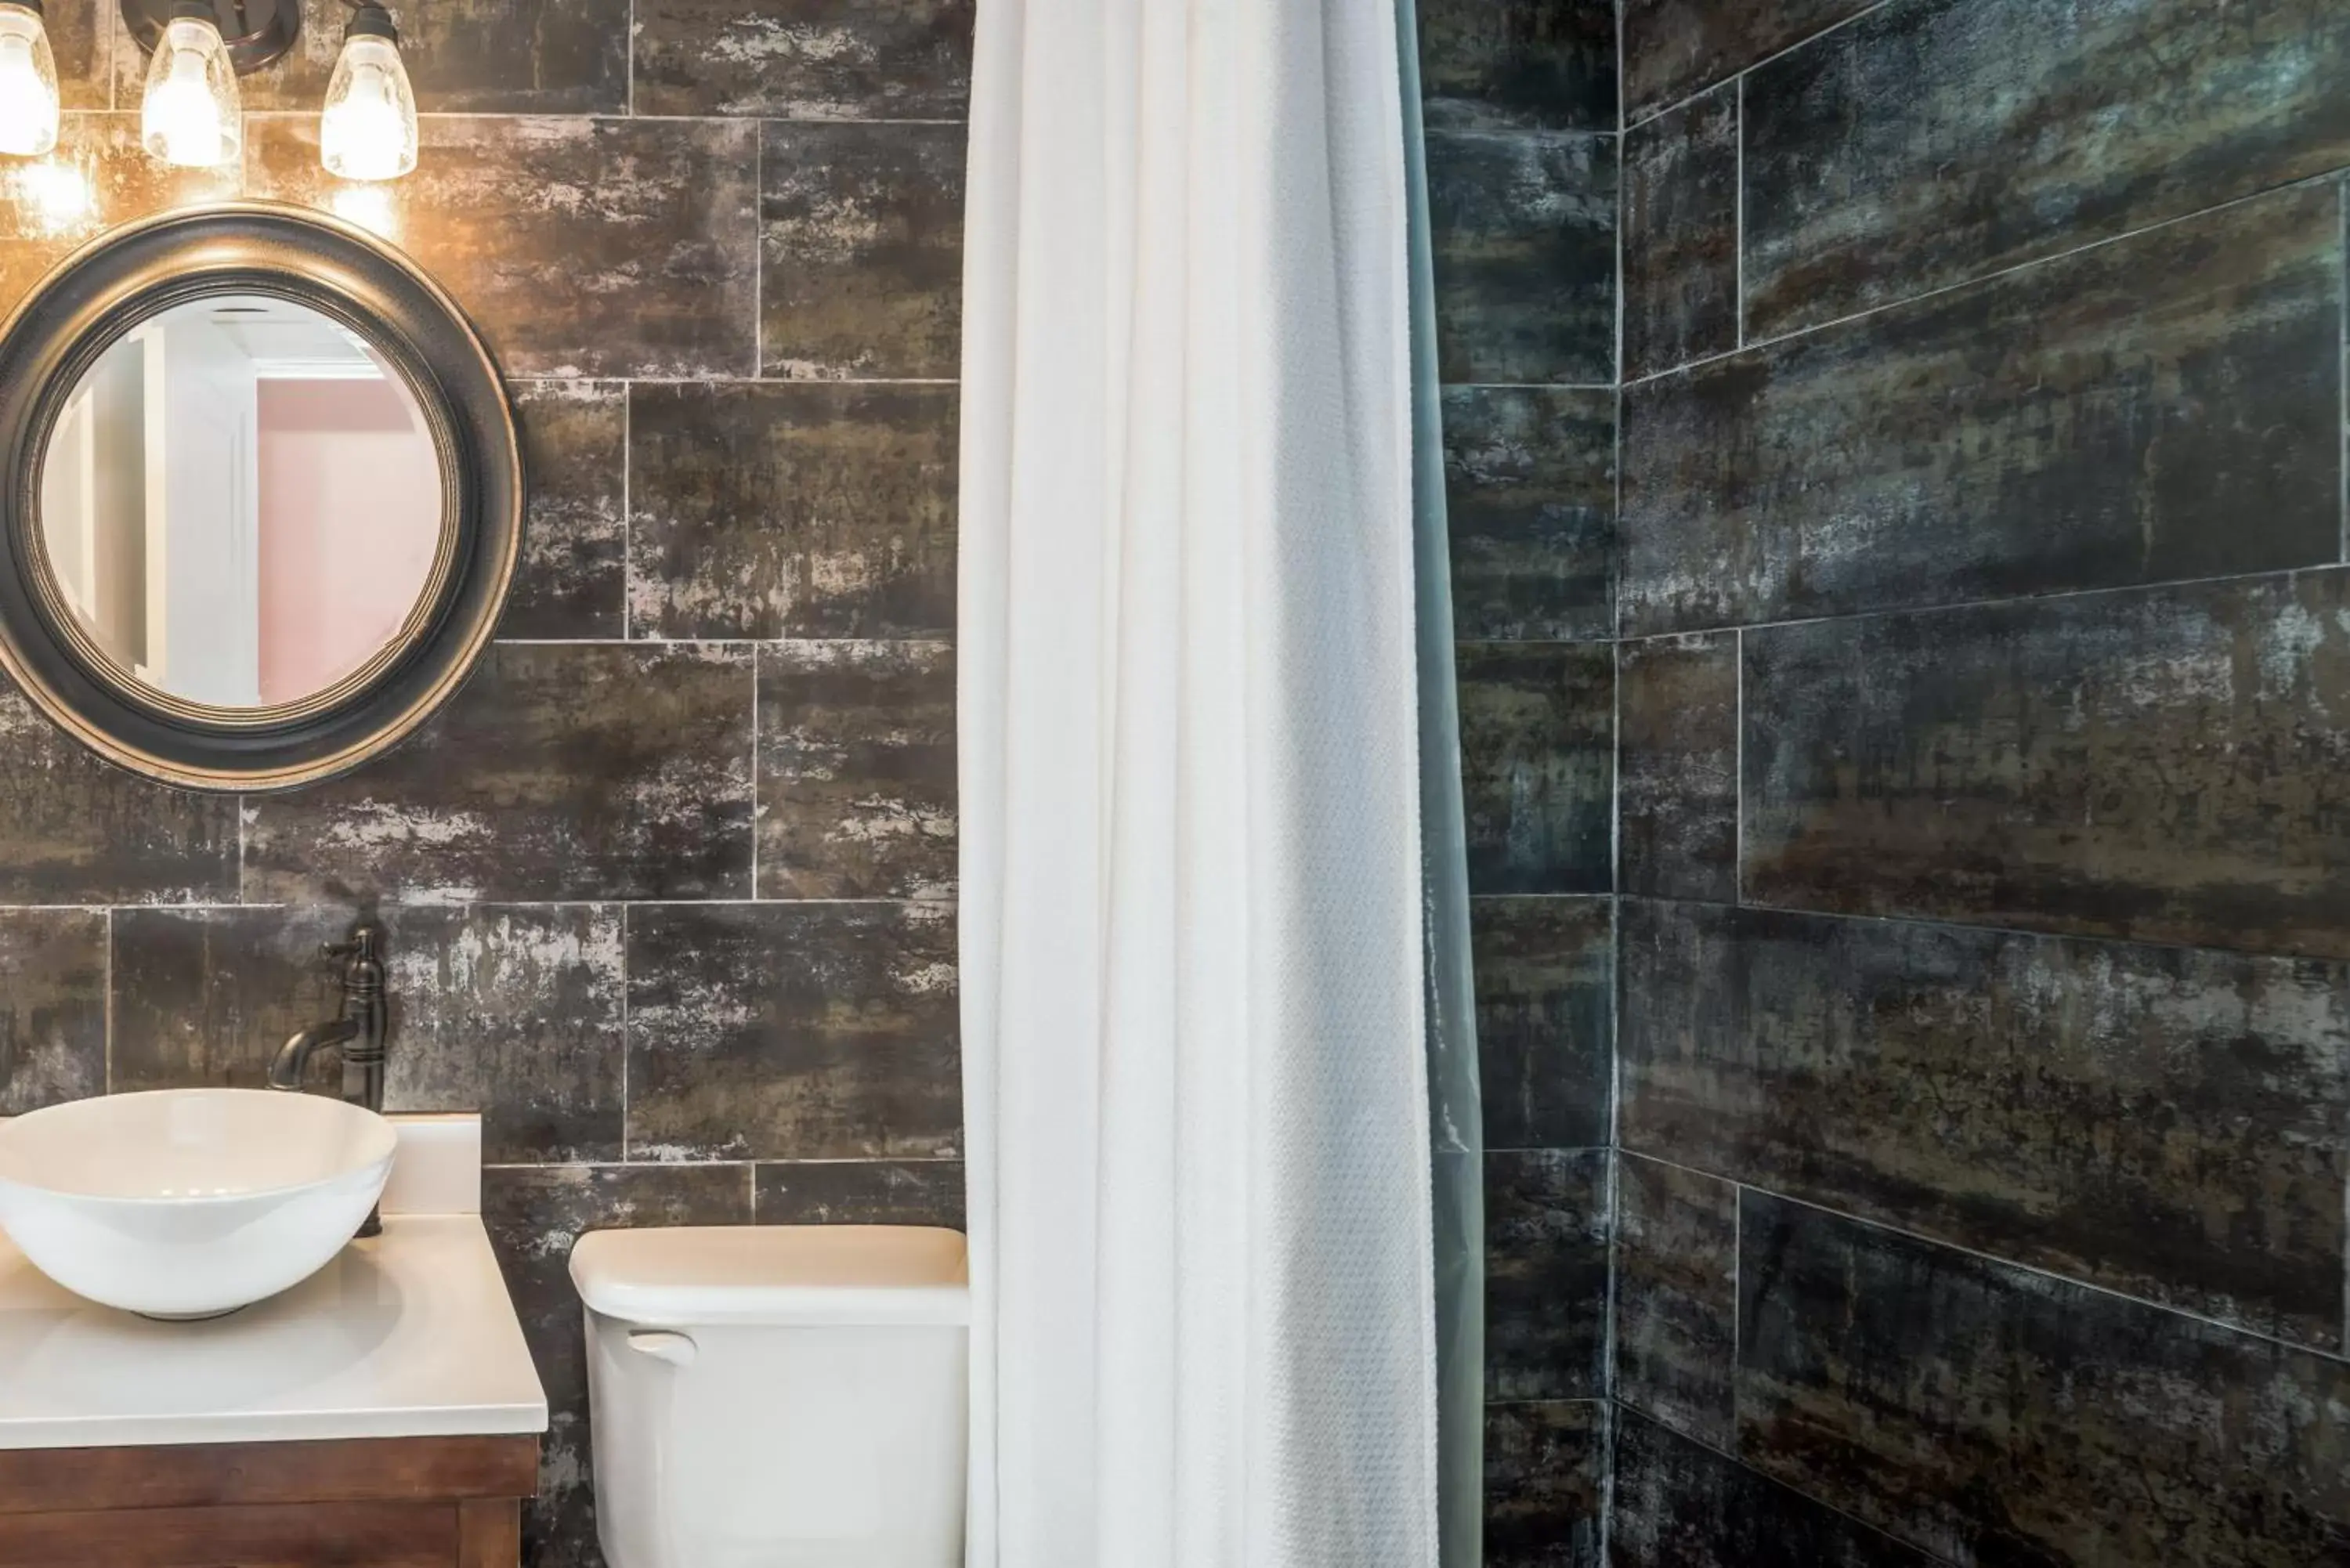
{"x": 255, "y": 31}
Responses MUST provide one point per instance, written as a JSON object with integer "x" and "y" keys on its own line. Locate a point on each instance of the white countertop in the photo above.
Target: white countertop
{"x": 408, "y": 1333}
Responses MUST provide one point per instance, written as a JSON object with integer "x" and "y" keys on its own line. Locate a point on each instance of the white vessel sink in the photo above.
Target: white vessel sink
{"x": 186, "y": 1203}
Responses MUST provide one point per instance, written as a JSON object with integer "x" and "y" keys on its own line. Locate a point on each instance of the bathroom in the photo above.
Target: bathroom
{"x": 1873, "y": 1086}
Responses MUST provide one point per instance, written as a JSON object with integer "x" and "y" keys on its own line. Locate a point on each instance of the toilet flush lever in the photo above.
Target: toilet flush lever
{"x": 660, "y": 1343}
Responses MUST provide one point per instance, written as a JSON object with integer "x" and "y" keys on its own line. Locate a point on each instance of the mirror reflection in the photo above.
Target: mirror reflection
{"x": 241, "y": 502}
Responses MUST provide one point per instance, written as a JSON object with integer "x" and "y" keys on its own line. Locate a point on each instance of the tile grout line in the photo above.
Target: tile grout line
{"x": 753, "y": 773}
{"x": 628, "y": 507}
{"x": 624, "y": 1032}
{"x": 107, "y": 1064}
{"x": 1744, "y": 71}
{"x": 1737, "y": 225}
{"x": 1738, "y": 772}
{"x": 2341, "y": 395}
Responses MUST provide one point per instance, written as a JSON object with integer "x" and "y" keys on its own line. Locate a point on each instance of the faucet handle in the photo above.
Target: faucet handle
{"x": 362, "y": 944}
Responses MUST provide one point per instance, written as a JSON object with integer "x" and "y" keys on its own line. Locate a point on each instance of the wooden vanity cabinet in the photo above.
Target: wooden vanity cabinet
{"x": 377, "y": 1502}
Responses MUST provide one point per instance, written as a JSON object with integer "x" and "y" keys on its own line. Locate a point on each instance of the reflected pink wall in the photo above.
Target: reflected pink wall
{"x": 350, "y": 513}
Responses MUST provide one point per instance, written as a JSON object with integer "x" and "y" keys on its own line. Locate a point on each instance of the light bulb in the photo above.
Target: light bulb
{"x": 369, "y": 129}
{"x": 191, "y": 115}
{"x": 28, "y": 83}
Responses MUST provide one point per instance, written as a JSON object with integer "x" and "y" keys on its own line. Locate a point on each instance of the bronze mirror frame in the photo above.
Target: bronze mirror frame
{"x": 132, "y": 272}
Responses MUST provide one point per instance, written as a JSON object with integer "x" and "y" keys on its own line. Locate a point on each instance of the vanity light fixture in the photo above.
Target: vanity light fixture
{"x": 369, "y": 129}
{"x": 29, "y": 81}
{"x": 192, "y": 114}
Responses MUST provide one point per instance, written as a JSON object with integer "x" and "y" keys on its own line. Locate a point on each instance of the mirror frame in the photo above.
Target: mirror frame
{"x": 129, "y": 273}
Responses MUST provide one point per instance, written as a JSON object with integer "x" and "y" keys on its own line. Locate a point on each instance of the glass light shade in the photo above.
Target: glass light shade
{"x": 192, "y": 114}
{"x": 369, "y": 129}
{"x": 28, "y": 83}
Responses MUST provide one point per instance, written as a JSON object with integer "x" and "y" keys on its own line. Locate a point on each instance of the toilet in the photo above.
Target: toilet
{"x": 777, "y": 1397}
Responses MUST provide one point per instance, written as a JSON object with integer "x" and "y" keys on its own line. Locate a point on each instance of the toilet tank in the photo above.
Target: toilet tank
{"x": 777, "y": 1397}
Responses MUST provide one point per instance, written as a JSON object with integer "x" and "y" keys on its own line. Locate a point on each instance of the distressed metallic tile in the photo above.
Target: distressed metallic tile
{"x": 1681, "y": 234}
{"x": 2167, "y": 764}
{"x": 579, "y": 246}
{"x": 862, "y": 1192}
{"x": 805, "y": 59}
{"x": 792, "y": 511}
{"x": 793, "y": 1032}
{"x": 2166, "y": 1122}
{"x": 1677, "y": 1297}
{"x": 1530, "y": 499}
{"x": 52, "y": 1007}
{"x": 1545, "y": 977}
{"x": 81, "y": 36}
{"x": 98, "y": 177}
{"x": 1988, "y": 1414}
{"x": 534, "y": 1214}
{"x": 1678, "y": 794}
{"x": 1673, "y": 47}
{"x": 1492, "y": 64}
{"x": 1546, "y": 1484}
{"x": 563, "y": 772}
{"x": 1524, "y": 229}
{"x": 1935, "y": 140}
{"x": 570, "y": 581}
{"x": 1679, "y": 1505}
{"x": 857, "y": 770}
{"x": 860, "y": 252}
{"x": 2161, "y": 407}
{"x": 1538, "y": 765}
{"x": 1546, "y": 1273}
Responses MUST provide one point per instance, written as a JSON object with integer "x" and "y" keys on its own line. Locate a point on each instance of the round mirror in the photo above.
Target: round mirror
{"x": 241, "y": 504}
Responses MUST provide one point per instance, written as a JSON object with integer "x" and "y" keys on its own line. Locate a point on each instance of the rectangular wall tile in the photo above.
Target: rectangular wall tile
{"x": 579, "y": 246}
{"x": 99, "y": 176}
{"x": 1681, "y": 234}
{"x": 534, "y": 1214}
{"x": 1546, "y": 1485}
{"x": 1935, "y": 140}
{"x": 2167, "y": 1121}
{"x": 52, "y": 1007}
{"x": 2171, "y": 765}
{"x": 1524, "y": 229}
{"x": 793, "y": 1032}
{"x": 1489, "y": 64}
{"x": 857, "y": 770}
{"x": 792, "y": 511}
{"x": 1538, "y": 765}
{"x": 1991, "y": 1415}
{"x": 1677, "y": 1297}
{"x": 860, "y": 251}
{"x": 2167, "y": 406}
{"x": 1545, "y": 978}
{"x": 1677, "y": 800}
{"x": 805, "y": 59}
{"x": 1680, "y": 1505}
{"x": 1673, "y": 47}
{"x": 861, "y": 1192}
{"x": 575, "y": 453}
{"x": 570, "y": 771}
{"x": 1546, "y": 1274}
{"x": 1530, "y": 503}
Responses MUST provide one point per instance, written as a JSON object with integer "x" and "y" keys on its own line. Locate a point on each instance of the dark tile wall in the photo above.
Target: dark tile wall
{"x": 670, "y": 883}
{"x": 1983, "y": 1021}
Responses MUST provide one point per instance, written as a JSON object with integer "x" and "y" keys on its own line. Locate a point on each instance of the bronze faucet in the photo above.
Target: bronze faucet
{"x": 357, "y": 1035}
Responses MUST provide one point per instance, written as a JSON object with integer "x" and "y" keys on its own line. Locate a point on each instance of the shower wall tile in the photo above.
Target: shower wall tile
{"x": 1524, "y": 229}
{"x": 1530, "y": 498}
{"x": 1492, "y": 64}
{"x": 97, "y": 177}
{"x": 1538, "y": 765}
{"x": 805, "y": 59}
{"x": 2171, "y": 766}
{"x": 1681, "y": 234}
{"x": 575, "y": 454}
{"x": 1678, "y": 1504}
{"x": 860, "y": 251}
{"x": 534, "y": 1214}
{"x": 861, "y": 1192}
{"x": 1546, "y": 1484}
{"x": 1545, "y": 978}
{"x": 804, "y": 511}
{"x": 1673, "y": 47}
{"x": 857, "y": 770}
{"x": 2086, "y": 424}
{"x": 1989, "y": 1414}
{"x": 1935, "y": 140}
{"x": 793, "y": 1032}
{"x": 581, "y": 247}
{"x": 1546, "y": 1274}
{"x": 1677, "y": 1297}
{"x": 52, "y": 1007}
{"x": 1676, "y": 798}
{"x": 565, "y": 770}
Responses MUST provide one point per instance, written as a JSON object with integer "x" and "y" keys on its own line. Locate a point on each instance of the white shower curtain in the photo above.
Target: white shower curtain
{"x": 1192, "y": 921}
